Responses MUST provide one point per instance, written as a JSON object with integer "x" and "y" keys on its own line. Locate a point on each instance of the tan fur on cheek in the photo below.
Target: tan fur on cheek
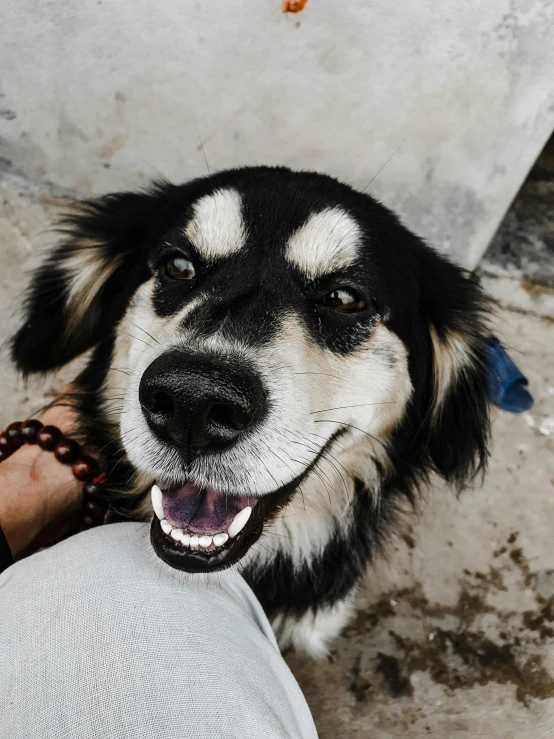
{"x": 320, "y": 390}
{"x": 87, "y": 272}
{"x": 451, "y": 356}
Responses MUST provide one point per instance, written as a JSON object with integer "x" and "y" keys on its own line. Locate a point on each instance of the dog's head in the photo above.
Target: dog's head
{"x": 265, "y": 342}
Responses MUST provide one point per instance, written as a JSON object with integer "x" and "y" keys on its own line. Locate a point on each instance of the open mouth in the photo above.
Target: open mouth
{"x": 200, "y": 529}
{"x": 205, "y": 519}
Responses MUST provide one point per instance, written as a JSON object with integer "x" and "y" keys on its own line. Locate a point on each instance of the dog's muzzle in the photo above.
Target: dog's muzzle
{"x": 200, "y": 406}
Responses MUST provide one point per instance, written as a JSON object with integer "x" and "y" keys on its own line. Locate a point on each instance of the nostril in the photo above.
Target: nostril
{"x": 228, "y": 417}
{"x": 161, "y": 404}
{"x": 198, "y": 404}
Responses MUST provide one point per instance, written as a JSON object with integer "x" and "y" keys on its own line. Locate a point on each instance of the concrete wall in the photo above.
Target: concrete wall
{"x": 99, "y": 95}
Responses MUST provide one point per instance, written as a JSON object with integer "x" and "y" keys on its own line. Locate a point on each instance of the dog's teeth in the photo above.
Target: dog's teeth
{"x": 194, "y": 541}
{"x": 177, "y": 534}
{"x": 157, "y": 504}
{"x": 220, "y": 539}
{"x": 166, "y": 526}
{"x": 239, "y": 522}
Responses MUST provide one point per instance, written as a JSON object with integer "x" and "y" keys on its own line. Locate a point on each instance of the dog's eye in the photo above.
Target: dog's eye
{"x": 180, "y": 268}
{"x": 343, "y": 299}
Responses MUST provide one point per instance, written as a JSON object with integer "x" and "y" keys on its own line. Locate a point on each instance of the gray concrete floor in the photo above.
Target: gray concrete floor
{"x": 523, "y": 246}
{"x": 454, "y": 631}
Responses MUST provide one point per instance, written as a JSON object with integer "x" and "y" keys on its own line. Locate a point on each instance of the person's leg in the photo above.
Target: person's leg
{"x": 101, "y": 639}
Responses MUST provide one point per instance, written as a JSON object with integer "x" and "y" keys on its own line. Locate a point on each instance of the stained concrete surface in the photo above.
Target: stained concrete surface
{"x": 523, "y": 246}
{"x": 518, "y": 267}
{"x": 454, "y": 632}
{"x": 455, "y": 98}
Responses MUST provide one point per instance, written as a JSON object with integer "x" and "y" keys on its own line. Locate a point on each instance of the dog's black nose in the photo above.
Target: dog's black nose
{"x": 200, "y": 404}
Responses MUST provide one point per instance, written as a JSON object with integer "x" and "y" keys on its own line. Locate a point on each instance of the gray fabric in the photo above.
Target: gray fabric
{"x": 100, "y": 639}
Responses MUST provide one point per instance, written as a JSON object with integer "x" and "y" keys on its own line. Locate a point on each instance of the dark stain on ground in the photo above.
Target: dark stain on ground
{"x": 453, "y": 649}
{"x": 516, "y": 555}
{"x": 539, "y": 620}
{"x": 493, "y": 578}
{"x": 463, "y": 659}
{"x": 535, "y": 287}
{"x": 396, "y": 683}
{"x": 359, "y": 685}
{"x": 469, "y": 606}
{"x": 536, "y": 681}
{"x": 520, "y": 560}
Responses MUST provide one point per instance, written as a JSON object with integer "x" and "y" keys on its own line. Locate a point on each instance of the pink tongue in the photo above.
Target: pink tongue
{"x": 202, "y": 510}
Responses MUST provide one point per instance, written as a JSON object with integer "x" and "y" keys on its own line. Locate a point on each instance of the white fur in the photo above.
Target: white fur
{"x": 312, "y": 632}
{"x": 327, "y": 242}
{"x": 217, "y": 229}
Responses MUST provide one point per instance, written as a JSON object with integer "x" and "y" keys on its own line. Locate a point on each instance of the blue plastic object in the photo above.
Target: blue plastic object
{"x": 507, "y": 384}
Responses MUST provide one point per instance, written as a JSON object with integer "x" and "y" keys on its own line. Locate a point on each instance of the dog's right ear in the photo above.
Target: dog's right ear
{"x": 80, "y": 292}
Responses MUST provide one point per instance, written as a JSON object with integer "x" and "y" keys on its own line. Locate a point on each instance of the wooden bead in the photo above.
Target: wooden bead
{"x": 92, "y": 491}
{"x": 29, "y": 431}
{"x": 12, "y": 432}
{"x": 48, "y": 437}
{"x": 94, "y": 510}
{"x": 5, "y": 444}
{"x": 85, "y": 468}
{"x": 67, "y": 451}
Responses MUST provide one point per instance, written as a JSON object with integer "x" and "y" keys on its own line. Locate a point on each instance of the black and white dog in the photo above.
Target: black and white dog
{"x": 280, "y": 361}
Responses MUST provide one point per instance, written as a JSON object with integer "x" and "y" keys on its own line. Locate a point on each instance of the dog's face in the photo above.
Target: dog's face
{"x": 266, "y": 341}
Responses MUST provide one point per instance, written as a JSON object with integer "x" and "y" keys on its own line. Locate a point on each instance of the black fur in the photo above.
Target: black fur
{"x": 407, "y": 285}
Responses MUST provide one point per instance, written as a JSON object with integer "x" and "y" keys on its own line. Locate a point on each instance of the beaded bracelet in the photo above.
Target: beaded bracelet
{"x": 68, "y": 452}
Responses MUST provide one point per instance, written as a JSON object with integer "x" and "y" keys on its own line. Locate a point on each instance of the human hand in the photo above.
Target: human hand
{"x": 40, "y": 499}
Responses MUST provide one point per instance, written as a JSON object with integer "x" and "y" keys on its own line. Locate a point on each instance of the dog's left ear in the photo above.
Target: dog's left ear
{"x": 456, "y": 423}
{"x": 80, "y": 292}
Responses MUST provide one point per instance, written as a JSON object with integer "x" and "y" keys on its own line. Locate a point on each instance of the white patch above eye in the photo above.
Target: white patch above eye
{"x": 217, "y": 229}
{"x": 327, "y": 242}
